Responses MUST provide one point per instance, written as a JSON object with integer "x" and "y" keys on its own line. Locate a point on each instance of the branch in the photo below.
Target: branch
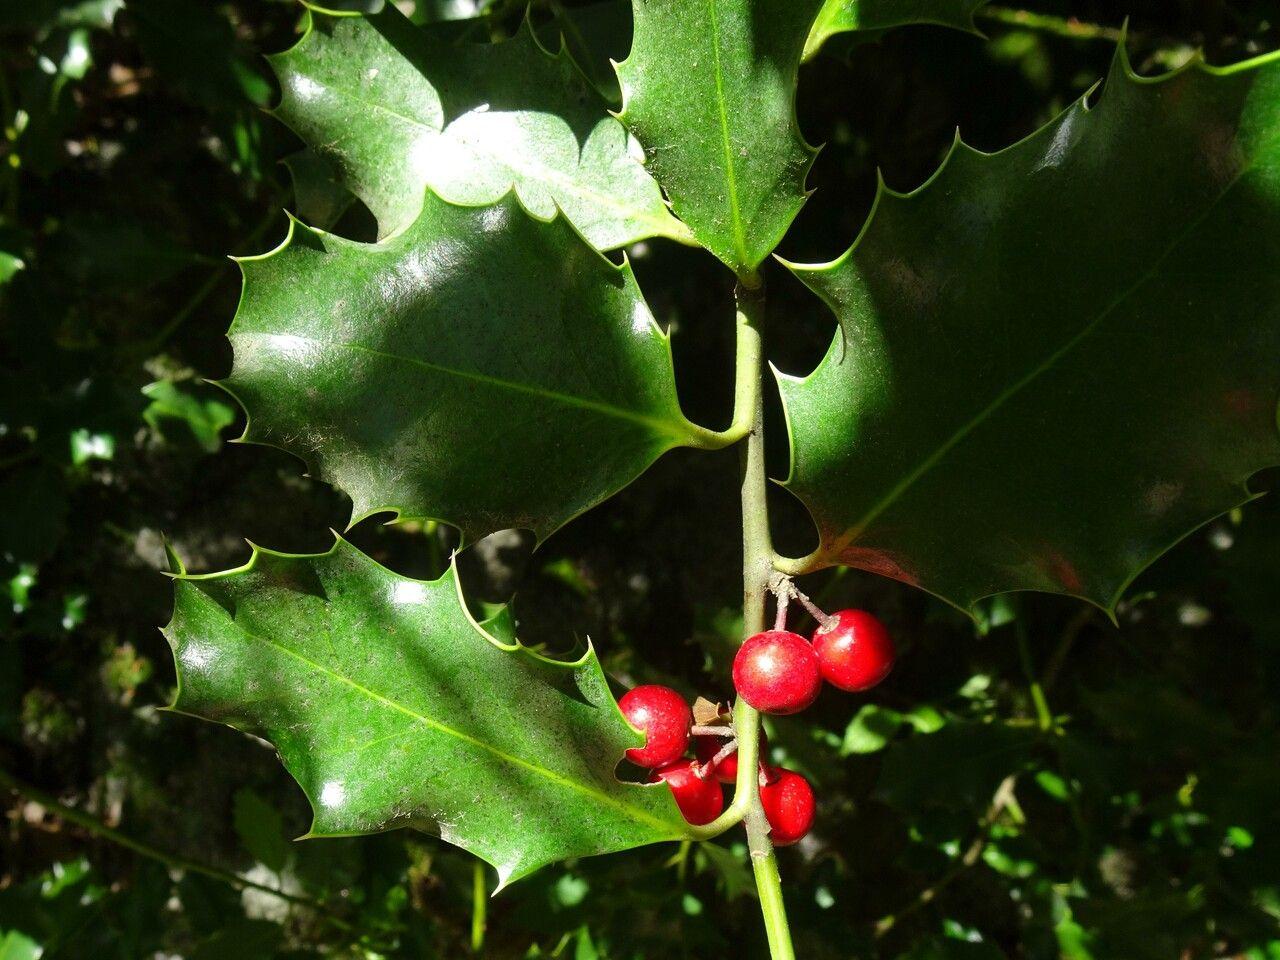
{"x": 119, "y": 838}
{"x": 1002, "y": 798}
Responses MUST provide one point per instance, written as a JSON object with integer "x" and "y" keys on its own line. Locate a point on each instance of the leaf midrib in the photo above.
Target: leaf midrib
{"x": 851, "y": 534}
{"x": 731, "y": 177}
{"x": 636, "y": 813}
{"x": 661, "y": 426}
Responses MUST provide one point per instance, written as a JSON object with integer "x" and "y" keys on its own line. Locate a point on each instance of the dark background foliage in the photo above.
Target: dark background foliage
{"x": 1044, "y": 785}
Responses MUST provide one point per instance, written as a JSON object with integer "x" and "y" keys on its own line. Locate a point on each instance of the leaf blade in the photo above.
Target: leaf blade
{"x": 397, "y": 110}
{"x": 844, "y": 16}
{"x": 391, "y": 707}
{"x": 1095, "y": 286}
{"x": 736, "y": 76}
{"x": 483, "y": 368}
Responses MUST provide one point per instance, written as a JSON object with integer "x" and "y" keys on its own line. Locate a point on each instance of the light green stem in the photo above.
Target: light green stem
{"x": 757, "y": 574}
{"x": 479, "y": 905}
{"x": 1044, "y": 716}
{"x": 1046, "y": 23}
{"x": 757, "y": 571}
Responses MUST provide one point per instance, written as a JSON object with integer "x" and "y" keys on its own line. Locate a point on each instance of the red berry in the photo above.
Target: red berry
{"x": 727, "y": 769}
{"x": 788, "y": 806}
{"x": 854, "y": 650}
{"x": 777, "y": 672}
{"x": 700, "y": 800}
{"x": 663, "y": 717}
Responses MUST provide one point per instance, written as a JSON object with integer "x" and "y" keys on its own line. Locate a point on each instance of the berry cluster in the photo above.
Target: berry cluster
{"x": 776, "y": 672}
{"x": 781, "y": 672}
{"x": 667, "y": 723}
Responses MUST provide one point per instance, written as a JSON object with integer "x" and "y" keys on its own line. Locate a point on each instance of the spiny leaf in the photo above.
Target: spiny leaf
{"x": 709, "y": 90}
{"x": 843, "y": 16}
{"x": 396, "y": 109}
{"x": 391, "y": 707}
{"x": 482, "y": 367}
{"x": 1055, "y": 361}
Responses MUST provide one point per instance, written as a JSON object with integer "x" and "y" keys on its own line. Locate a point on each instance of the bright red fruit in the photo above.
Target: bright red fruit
{"x": 664, "y": 718}
{"x": 727, "y": 769}
{"x": 788, "y": 806}
{"x": 855, "y": 651}
{"x": 777, "y": 672}
{"x": 700, "y": 801}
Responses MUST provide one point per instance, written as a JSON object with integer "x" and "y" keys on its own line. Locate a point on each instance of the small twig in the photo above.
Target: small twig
{"x": 479, "y": 905}
{"x": 780, "y": 618}
{"x": 203, "y": 292}
{"x": 100, "y": 829}
{"x": 1002, "y": 798}
{"x": 1070, "y": 633}
{"x": 814, "y": 610}
{"x": 704, "y": 770}
{"x": 1070, "y": 28}
{"x": 711, "y": 731}
{"x": 785, "y": 590}
{"x": 725, "y": 752}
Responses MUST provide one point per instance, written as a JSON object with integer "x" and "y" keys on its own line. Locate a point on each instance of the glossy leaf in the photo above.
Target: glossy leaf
{"x": 392, "y": 707}
{"x": 396, "y": 110}
{"x": 483, "y": 367}
{"x": 1055, "y": 361}
{"x": 843, "y": 16}
{"x": 319, "y": 197}
{"x": 709, "y": 90}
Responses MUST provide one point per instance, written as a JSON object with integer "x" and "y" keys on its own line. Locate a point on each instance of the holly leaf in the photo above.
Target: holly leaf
{"x": 1055, "y": 361}
{"x": 709, "y": 90}
{"x": 319, "y": 197}
{"x": 844, "y": 16}
{"x": 392, "y": 708}
{"x": 483, "y": 368}
{"x": 396, "y": 110}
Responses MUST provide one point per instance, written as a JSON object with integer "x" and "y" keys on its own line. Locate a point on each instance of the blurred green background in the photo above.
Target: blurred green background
{"x": 1042, "y": 785}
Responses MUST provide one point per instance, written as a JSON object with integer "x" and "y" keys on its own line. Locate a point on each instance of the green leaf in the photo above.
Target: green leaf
{"x": 319, "y": 197}
{"x": 396, "y": 110}
{"x": 843, "y": 16}
{"x": 483, "y": 368}
{"x": 1055, "y": 361}
{"x": 391, "y": 707}
{"x": 709, "y": 90}
{"x": 261, "y": 829}
{"x": 172, "y": 403}
{"x": 871, "y": 728}
{"x": 9, "y": 266}
{"x": 18, "y": 946}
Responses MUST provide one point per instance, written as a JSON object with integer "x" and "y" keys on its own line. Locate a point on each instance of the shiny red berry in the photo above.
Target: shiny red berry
{"x": 855, "y": 651}
{"x": 777, "y": 672}
{"x": 700, "y": 800}
{"x": 788, "y": 806}
{"x": 663, "y": 717}
{"x": 727, "y": 769}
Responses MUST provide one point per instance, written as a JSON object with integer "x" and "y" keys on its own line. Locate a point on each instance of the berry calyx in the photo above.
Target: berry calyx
{"x": 788, "y": 805}
{"x": 700, "y": 799}
{"x": 777, "y": 672}
{"x": 855, "y": 651}
{"x": 726, "y": 771}
{"x": 663, "y": 717}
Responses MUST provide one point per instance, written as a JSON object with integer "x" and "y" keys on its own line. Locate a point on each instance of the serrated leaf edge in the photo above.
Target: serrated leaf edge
{"x": 673, "y": 228}
{"x": 743, "y": 269}
{"x": 1122, "y": 67}
{"x": 588, "y": 660}
{"x": 692, "y": 435}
